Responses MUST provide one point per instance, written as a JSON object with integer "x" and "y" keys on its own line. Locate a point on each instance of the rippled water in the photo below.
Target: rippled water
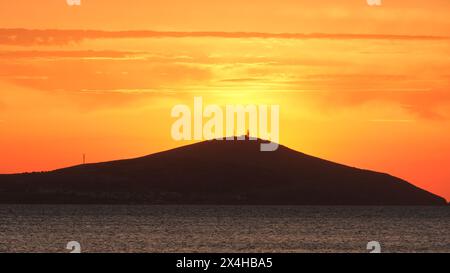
{"x": 223, "y": 229}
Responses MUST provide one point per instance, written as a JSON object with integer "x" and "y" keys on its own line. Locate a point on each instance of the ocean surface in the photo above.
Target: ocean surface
{"x": 27, "y": 228}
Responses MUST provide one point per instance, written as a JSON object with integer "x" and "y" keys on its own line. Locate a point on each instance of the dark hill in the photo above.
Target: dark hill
{"x": 215, "y": 172}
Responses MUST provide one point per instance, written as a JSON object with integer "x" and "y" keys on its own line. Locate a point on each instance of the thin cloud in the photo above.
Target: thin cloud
{"x": 68, "y": 54}
{"x": 27, "y": 37}
{"x": 393, "y": 120}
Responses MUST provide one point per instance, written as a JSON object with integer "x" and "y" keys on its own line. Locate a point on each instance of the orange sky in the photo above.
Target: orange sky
{"x": 365, "y": 86}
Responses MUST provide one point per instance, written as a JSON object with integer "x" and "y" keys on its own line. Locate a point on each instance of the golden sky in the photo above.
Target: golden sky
{"x": 365, "y": 86}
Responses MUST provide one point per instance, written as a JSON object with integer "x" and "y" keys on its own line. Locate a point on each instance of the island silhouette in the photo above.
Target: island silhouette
{"x": 214, "y": 173}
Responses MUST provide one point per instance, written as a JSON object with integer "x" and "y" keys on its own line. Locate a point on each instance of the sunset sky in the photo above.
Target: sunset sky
{"x": 364, "y": 86}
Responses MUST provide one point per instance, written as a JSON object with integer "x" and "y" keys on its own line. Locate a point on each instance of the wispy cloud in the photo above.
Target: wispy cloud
{"x": 393, "y": 120}
{"x": 26, "y": 37}
{"x": 84, "y": 54}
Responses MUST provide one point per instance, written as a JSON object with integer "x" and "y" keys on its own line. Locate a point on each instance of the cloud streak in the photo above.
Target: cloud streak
{"x": 27, "y": 37}
{"x": 67, "y": 54}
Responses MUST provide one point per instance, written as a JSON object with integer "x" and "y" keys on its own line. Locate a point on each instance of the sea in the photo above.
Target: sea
{"x": 222, "y": 229}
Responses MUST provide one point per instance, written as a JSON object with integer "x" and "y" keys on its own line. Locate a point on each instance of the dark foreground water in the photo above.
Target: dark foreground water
{"x": 223, "y": 229}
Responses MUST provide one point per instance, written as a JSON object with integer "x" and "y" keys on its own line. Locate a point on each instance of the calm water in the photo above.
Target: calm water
{"x": 223, "y": 229}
